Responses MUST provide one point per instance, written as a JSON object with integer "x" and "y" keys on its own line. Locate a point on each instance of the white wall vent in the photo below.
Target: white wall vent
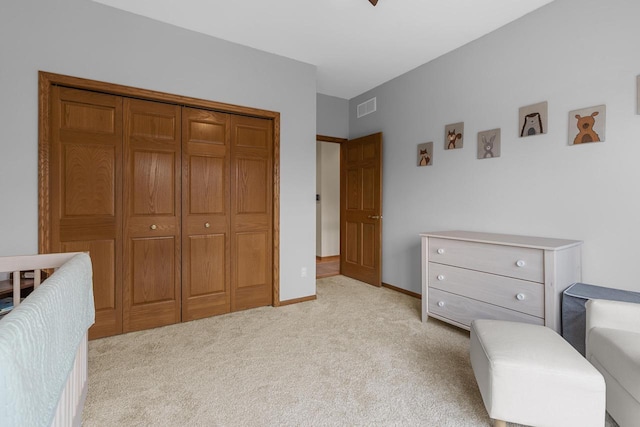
{"x": 367, "y": 107}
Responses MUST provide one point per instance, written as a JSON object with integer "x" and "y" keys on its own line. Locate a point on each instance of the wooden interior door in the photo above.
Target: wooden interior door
{"x": 361, "y": 209}
{"x": 85, "y": 192}
{"x": 205, "y": 213}
{"x": 152, "y": 205}
{"x": 252, "y": 212}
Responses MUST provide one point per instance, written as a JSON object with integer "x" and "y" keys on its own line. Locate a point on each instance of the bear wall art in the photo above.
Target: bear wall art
{"x": 587, "y": 125}
{"x": 533, "y": 120}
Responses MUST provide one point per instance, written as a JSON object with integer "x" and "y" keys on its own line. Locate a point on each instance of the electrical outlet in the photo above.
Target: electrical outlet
{"x": 303, "y": 272}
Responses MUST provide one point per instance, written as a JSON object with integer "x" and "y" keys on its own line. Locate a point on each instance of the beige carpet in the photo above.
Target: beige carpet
{"x": 358, "y": 355}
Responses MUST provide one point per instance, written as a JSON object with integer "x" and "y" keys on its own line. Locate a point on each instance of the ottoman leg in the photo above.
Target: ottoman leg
{"x": 499, "y": 423}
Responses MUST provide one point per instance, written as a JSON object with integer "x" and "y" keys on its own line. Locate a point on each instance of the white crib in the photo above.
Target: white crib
{"x": 50, "y": 327}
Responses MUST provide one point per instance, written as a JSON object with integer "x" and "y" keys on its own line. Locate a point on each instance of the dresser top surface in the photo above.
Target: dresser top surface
{"x": 545, "y": 243}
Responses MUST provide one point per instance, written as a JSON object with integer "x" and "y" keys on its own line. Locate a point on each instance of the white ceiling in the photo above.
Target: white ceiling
{"x": 354, "y": 45}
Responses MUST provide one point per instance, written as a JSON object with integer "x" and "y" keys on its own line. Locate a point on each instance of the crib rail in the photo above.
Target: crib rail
{"x": 37, "y": 263}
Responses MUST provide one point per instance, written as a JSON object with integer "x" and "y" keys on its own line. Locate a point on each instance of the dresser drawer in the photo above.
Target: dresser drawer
{"x": 514, "y": 294}
{"x": 463, "y": 310}
{"x": 511, "y": 261}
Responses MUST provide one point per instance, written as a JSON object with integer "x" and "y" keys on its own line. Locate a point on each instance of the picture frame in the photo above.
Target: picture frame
{"x": 587, "y": 125}
{"x": 533, "y": 119}
{"x": 489, "y": 144}
{"x": 454, "y": 136}
{"x": 425, "y": 154}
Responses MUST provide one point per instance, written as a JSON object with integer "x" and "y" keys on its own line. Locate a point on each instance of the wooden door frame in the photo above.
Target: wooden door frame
{"x": 325, "y": 138}
{"x": 46, "y": 80}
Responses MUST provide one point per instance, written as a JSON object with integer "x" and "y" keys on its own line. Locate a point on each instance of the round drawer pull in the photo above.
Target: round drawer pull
{"x": 440, "y": 251}
{"x": 520, "y": 297}
{"x": 207, "y": 225}
{"x": 440, "y": 303}
{"x": 520, "y": 263}
{"x": 153, "y": 226}
{"x": 440, "y": 277}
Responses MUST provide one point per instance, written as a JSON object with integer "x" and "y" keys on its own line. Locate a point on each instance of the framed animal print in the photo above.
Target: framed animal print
{"x": 533, "y": 120}
{"x": 489, "y": 144}
{"x": 587, "y": 125}
{"x": 453, "y": 136}
{"x": 425, "y": 154}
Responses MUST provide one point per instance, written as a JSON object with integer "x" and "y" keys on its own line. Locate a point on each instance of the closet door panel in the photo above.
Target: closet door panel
{"x": 152, "y": 209}
{"x": 85, "y": 192}
{"x": 205, "y": 221}
{"x": 154, "y": 183}
{"x": 252, "y": 212}
{"x": 106, "y": 299}
{"x": 152, "y": 278}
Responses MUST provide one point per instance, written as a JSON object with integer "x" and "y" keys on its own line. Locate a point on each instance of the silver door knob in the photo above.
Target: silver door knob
{"x": 440, "y": 303}
{"x": 520, "y": 263}
{"x": 440, "y": 277}
{"x": 153, "y": 226}
{"x": 520, "y": 297}
{"x": 207, "y": 225}
{"x": 440, "y": 251}
{"x": 374, "y": 217}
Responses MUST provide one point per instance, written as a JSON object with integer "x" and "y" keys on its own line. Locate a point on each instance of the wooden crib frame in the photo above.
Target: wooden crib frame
{"x": 69, "y": 409}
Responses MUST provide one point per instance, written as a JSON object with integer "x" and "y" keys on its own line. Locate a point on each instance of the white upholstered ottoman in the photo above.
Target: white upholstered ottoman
{"x": 528, "y": 374}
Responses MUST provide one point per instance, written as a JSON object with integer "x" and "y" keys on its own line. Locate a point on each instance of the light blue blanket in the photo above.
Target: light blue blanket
{"x": 38, "y": 343}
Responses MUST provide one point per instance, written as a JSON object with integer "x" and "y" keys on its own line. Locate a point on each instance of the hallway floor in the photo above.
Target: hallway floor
{"x": 327, "y": 266}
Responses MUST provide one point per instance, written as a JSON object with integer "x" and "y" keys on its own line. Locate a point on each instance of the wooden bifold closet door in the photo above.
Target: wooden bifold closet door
{"x": 227, "y": 207}
{"x": 85, "y": 192}
{"x": 205, "y": 221}
{"x": 152, "y": 206}
{"x": 174, "y": 204}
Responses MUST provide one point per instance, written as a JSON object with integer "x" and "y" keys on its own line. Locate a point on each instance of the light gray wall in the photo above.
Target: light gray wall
{"x": 333, "y": 116}
{"x": 89, "y": 40}
{"x": 571, "y": 53}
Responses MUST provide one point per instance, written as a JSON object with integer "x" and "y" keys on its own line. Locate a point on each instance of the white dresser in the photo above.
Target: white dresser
{"x": 469, "y": 275}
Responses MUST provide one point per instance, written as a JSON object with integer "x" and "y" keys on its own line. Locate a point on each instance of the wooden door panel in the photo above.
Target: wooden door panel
{"x": 371, "y": 152}
{"x": 106, "y": 292}
{"x": 82, "y": 115}
{"x": 369, "y": 245}
{"x": 153, "y": 183}
{"x": 207, "y": 130}
{"x": 252, "y": 216}
{"x": 361, "y": 209}
{"x": 253, "y": 134}
{"x": 354, "y": 189}
{"x": 85, "y": 192}
{"x": 207, "y": 291}
{"x": 352, "y": 237}
{"x": 207, "y": 185}
{"x": 250, "y": 189}
{"x": 89, "y": 179}
{"x": 251, "y": 255}
{"x": 208, "y": 269}
{"x": 353, "y": 154}
{"x": 154, "y": 125}
{"x": 369, "y": 188}
{"x": 205, "y": 225}
{"x": 153, "y": 270}
{"x": 152, "y": 214}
